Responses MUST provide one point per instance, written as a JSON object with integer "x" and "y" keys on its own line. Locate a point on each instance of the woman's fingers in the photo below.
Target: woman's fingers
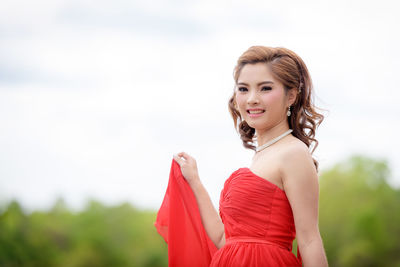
{"x": 181, "y": 157}
{"x": 178, "y": 159}
{"x": 188, "y": 166}
{"x": 184, "y": 155}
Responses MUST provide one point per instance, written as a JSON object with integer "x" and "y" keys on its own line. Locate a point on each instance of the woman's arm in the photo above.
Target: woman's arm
{"x": 209, "y": 217}
{"x": 300, "y": 181}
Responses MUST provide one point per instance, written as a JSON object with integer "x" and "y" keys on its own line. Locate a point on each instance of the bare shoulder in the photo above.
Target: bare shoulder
{"x": 296, "y": 151}
{"x": 297, "y": 162}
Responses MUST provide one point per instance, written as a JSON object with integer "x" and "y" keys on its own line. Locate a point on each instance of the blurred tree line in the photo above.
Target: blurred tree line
{"x": 359, "y": 224}
{"x": 359, "y": 214}
{"x": 97, "y": 236}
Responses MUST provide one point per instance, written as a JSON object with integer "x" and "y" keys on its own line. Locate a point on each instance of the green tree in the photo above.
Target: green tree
{"x": 359, "y": 218}
{"x": 97, "y": 236}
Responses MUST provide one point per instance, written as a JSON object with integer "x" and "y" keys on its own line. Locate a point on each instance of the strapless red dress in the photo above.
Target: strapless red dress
{"x": 258, "y": 221}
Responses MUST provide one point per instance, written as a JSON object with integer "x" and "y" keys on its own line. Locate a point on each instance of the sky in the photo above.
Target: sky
{"x": 96, "y": 96}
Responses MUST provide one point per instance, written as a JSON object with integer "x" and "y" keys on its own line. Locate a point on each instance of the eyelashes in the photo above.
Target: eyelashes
{"x": 264, "y": 88}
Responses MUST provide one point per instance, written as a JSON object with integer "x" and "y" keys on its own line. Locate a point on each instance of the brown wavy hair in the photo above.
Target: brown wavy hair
{"x": 289, "y": 69}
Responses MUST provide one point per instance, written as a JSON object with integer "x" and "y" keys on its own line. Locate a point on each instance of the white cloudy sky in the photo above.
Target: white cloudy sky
{"x": 96, "y": 96}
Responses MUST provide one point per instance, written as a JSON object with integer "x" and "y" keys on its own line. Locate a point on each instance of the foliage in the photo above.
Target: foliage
{"x": 359, "y": 224}
{"x": 97, "y": 236}
{"x": 359, "y": 214}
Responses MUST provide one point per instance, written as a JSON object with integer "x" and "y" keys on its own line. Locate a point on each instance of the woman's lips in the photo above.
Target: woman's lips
{"x": 253, "y": 113}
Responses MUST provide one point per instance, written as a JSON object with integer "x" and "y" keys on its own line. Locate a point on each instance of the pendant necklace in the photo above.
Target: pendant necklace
{"x": 273, "y": 141}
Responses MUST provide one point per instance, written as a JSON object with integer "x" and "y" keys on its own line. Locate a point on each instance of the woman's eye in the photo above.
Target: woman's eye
{"x": 242, "y": 89}
{"x": 266, "y": 88}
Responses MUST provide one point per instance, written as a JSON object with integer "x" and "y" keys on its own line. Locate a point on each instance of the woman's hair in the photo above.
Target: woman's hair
{"x": 289, "y": 69}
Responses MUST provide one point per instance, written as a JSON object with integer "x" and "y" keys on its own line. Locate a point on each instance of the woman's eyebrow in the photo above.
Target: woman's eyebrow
{"x": 260, "y": 83}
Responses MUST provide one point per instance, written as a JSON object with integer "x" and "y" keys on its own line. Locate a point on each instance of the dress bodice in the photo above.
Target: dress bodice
{"x": 258, "y": 222}
{"x": 253, "y": 207}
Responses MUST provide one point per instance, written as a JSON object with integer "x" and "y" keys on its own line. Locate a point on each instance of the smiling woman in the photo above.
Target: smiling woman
{"x": 263, "y": 208}
{"x": 284, "y": 70}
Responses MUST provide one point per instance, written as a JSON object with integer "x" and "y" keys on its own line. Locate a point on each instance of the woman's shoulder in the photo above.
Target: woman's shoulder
{"x": 295, "y": 155}
{"x": 294, "y": 146}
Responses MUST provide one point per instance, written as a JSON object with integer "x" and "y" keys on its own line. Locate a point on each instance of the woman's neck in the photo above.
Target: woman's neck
{"x": 263, "y": 136}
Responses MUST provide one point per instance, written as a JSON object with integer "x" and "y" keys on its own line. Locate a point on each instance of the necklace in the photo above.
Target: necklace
{"x": 273, "y": 141}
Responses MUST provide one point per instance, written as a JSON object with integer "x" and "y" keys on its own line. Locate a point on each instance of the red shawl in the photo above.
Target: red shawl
{"x": 179, "y": 223}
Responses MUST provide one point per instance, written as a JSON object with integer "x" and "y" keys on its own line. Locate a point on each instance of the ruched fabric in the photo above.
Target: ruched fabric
{"x": 257, "y": 217}
{"x": 258, "y": 221}
{"x": 179, "y": 223}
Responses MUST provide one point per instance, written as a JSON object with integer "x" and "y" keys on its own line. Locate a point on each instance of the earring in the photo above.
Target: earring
{"x": 289, "y": 112}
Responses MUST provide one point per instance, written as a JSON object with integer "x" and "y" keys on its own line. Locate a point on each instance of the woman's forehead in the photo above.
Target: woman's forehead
{"x": 255, "y": 73}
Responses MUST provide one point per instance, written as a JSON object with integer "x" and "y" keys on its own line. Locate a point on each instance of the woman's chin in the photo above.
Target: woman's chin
{"x": 253, "y": 124}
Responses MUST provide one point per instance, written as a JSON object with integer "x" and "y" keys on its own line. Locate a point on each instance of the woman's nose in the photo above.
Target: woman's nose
{"x": 253, "y": 98}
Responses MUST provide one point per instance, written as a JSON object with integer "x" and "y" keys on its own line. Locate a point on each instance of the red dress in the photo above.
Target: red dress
{"x": 258, "y": 221}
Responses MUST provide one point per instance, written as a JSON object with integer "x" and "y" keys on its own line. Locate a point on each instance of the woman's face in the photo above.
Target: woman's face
{"x": 261, "y": 99}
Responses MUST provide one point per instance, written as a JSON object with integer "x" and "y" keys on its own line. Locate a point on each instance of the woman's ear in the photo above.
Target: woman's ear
{"x": 291, "y": 96}
{"x": 234, "y": 101}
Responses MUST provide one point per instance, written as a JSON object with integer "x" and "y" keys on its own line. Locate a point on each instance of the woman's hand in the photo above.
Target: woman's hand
{"x": 188, "y": 167}
{"x": 209, "y": 216}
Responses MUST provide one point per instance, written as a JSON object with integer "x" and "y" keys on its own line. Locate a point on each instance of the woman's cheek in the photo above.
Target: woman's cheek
{"x": 239, "y": 101}
{"x": 273, "y": 96}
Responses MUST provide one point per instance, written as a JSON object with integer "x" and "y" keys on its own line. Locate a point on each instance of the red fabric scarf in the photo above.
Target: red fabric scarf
{"x": 179, "y": 223}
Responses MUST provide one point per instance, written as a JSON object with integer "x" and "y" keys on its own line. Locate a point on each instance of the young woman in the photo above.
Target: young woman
{"x": 264, "y": 207}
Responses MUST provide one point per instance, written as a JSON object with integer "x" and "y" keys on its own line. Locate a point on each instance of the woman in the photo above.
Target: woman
{"x": 264, "y": 207}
